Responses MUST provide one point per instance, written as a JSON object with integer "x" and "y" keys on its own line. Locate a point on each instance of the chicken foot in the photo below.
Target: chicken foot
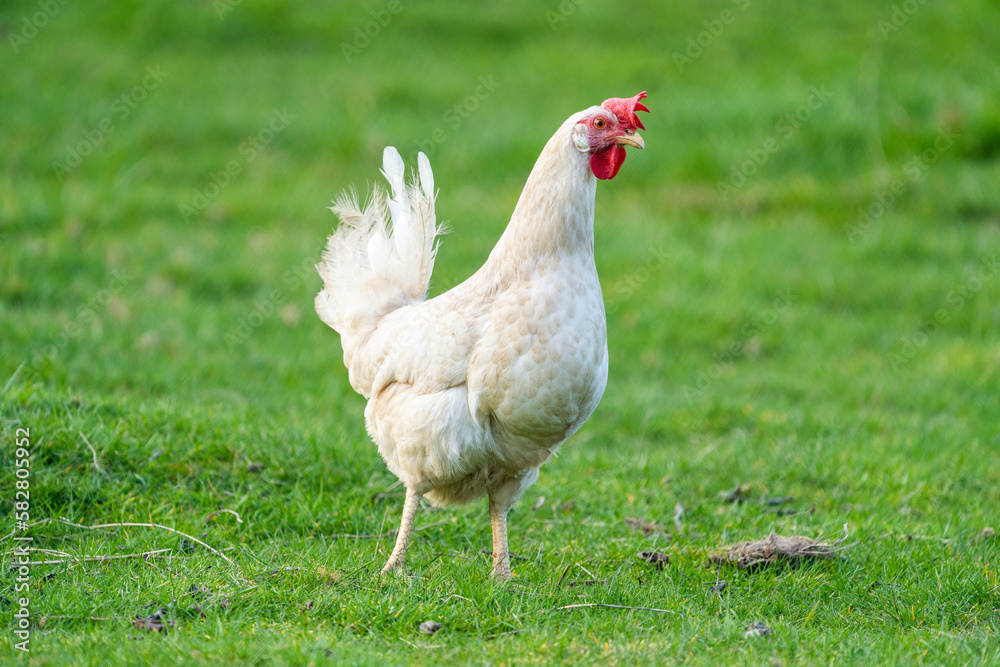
{"x": 395, "y": 561}
{"x": 501, "y": 554}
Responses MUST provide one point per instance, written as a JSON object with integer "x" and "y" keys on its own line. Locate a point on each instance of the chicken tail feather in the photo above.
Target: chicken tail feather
{"x": 381, "y": 256}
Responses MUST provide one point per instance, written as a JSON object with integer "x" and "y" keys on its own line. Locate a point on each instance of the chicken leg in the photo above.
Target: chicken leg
{"x": 501, "y": 555}
{"x": 395, "y": 561}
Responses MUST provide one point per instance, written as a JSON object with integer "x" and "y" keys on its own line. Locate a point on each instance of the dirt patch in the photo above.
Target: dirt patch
{"x": 776, "y": 550}
{"x": 657, "y": 559}
{"x": 155, "y": 622}
{"x": 757, "y": 629}
{"x": 430, "y": 627}
{"x": 643, "y": 526}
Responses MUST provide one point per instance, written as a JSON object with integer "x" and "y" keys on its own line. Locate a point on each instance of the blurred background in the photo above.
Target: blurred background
{"x": 809, "y": 240}
{"x": 800, "y": 273}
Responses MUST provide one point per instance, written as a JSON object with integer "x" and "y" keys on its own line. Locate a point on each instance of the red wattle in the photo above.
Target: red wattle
{"x": 606, "y": 162}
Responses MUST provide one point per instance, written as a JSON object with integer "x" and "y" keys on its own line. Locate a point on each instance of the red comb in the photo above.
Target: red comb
{"x": 625, "y": 108}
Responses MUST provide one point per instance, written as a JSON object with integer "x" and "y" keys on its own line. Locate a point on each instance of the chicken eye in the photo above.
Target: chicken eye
{"x": 599, "y": 123}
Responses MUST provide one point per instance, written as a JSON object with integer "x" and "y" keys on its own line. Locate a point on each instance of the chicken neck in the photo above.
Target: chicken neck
{"x": 554, "y": 216}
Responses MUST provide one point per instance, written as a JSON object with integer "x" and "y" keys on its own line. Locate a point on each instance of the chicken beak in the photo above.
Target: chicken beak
{"x": 633, "y": 140}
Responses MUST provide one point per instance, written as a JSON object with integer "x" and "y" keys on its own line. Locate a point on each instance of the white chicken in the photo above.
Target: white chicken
{"x": 471, "y": 391}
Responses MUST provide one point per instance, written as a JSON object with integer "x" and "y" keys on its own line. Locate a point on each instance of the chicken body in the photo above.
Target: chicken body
{"x": 471, "y": 391}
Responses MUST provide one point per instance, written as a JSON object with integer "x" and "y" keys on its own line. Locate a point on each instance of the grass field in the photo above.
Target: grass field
{"x": 801, "y": 275}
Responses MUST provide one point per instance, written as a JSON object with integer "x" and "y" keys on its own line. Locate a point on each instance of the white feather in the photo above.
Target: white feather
{"x": 381, "y": 257}
{"x": 426, "y": 175}
{"x": 392, "y": 169}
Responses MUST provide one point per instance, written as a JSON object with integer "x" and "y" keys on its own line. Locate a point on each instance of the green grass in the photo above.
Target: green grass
{"x": 754, "y": 337}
